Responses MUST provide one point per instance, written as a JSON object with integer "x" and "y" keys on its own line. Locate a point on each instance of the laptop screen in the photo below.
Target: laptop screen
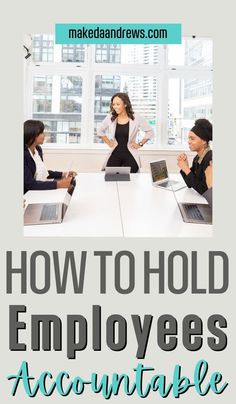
{"x": 68, "y": 196}
{"x": 159, "y": 170}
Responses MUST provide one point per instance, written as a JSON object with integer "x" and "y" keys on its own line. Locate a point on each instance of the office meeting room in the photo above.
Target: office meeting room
{"x": 118, "y": 138}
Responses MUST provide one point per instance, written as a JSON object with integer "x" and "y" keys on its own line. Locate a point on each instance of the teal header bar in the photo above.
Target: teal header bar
{"x": 118, "y": 33}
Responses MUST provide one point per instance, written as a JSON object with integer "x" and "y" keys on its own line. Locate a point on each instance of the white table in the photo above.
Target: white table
{"x": 93, "y": 210}
{"x": 116, "y": 209}
{"x": 149, "y": 211}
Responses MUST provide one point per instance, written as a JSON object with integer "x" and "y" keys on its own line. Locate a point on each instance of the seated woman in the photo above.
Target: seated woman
{"x": 36, "y": 176}
{"x": 123, "y": 126}
{"x": 198, "y": 140}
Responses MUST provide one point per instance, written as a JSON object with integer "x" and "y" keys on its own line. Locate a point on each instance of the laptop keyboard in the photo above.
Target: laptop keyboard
{"x": 167, "y": 184}
{"x": 193, "y": 212}
{"x": 49, "y": 212}
{"x": 164, "y": 184}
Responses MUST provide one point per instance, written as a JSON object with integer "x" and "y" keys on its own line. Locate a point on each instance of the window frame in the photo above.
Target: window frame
{"x": 88, "y": 71}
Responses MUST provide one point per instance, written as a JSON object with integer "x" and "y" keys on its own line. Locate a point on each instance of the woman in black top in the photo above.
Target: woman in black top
{"x": 121, "y": 155}
{"x": 123, "y": 126}
{"x": 198, "y": 139}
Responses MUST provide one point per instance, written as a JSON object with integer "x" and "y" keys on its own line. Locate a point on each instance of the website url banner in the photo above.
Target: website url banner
{"x": 118, "y": 33}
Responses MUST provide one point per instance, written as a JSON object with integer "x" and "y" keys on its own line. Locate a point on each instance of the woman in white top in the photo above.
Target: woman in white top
{"x": 36, "y": 175}
{"x": 123, "y": 125}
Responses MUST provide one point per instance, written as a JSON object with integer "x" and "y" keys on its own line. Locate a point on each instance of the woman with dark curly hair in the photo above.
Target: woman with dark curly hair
{"x": 123, "y": 125}
{"x": 198, "y": 139}
{"x": 36, "y": 175}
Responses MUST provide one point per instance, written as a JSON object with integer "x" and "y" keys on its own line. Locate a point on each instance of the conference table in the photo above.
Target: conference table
{"x": 132, "y": 208}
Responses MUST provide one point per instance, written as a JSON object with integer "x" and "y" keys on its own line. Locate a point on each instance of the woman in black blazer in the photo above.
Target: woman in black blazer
{"x": 36, "y": 176}
{"x": 198, "y": 139}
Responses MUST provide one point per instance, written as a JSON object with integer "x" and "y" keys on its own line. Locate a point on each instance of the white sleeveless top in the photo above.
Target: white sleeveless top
{"x": 41, "y": 173}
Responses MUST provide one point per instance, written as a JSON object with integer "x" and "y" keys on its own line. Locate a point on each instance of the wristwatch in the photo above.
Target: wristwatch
{"x": 140, "y": 144}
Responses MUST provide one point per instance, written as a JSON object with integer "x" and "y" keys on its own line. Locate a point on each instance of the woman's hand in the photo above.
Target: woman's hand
{"x": 70, "y": 174}
{"x": 111, "y": 143}
{"x": 182, "y": 156}
{"x": 183, "y": 164}
{"x": 134, "y": 145}
{"x": 64, "y": 182}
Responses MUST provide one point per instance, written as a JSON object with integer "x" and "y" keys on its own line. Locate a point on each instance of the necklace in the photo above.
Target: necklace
{"x": 123, "y": 121}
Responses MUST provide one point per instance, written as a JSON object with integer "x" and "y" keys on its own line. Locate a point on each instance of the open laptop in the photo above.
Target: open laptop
{"x": 160, "y": 177}
{"x": 117, "y": 173}
{"x": 48, "y": 213}
{"x": 199, "y": 213}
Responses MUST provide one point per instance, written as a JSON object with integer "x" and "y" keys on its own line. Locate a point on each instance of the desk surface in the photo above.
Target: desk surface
{"x": 149, "y": 211}
{"x": 110, "y": 209}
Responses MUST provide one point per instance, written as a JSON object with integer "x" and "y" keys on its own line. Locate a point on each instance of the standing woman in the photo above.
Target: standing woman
{"x": 198, "y": 139}
{"x": 123, "y": 126}
{"x": 36, "y": 175}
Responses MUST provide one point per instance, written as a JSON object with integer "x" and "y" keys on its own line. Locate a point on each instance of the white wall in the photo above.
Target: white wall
{"x": 88, "y": 160}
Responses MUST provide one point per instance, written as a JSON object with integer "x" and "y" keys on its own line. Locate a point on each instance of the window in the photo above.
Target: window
{"x": 43, "y": 48}
{"x": 192, "y": 52}
{"x": 57, "y": 101}
{"x": 73, "y": 53}
{"x": 42, "y": 94}
{"x": 108, "y": 53}
{"x": 189, "y": 99}
{"x": 71, "y": 87}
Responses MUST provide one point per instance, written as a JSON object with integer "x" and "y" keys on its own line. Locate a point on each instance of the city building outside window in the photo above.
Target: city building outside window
{"x": 70, "y": 87}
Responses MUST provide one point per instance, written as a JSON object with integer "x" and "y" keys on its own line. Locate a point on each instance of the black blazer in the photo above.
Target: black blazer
{"x": 196, "y": 178}
{"x": 30, "y": 183}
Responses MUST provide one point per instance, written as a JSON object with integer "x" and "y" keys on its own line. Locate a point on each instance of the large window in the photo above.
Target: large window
{"x": 189, "y": 99}
{"x": 57, "y": 101}
{"x": 69, "y": 87}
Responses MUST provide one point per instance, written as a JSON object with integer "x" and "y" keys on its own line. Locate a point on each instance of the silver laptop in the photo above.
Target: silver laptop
{"x": 199, "y": 213}
{"x": 160, "y": 177}
{"x": 117, "y": 173}
{"x": 48, "y": 213}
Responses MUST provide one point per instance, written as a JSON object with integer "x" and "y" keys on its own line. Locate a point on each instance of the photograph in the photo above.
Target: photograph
{"x": 132, "y": 124}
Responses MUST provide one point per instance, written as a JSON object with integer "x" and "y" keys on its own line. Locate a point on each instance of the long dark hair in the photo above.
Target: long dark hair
{"x": 125, "y": 98}
{"x": 32, "y": 129}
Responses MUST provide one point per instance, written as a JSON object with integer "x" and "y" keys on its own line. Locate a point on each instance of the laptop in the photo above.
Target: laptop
{"x": 48, "y": 213}
{"x": 199, "y": 213}
{"x": 117, "y": 173}
{"x": 160, "y": 177}
{"x": 196, "y": 213}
